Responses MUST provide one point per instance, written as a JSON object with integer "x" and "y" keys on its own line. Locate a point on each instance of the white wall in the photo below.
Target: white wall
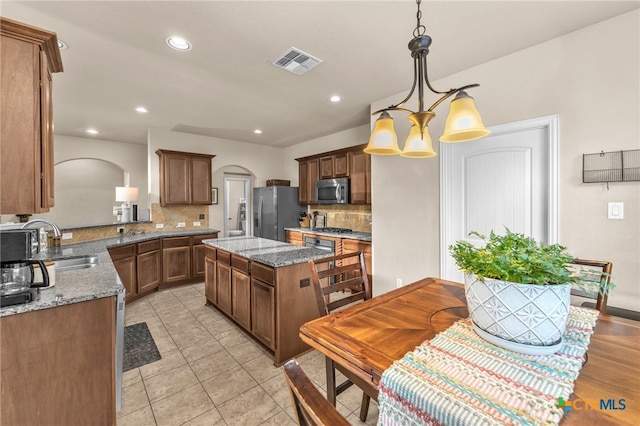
{"x": 591, "y": 79}
{"x": 132, "y": 158}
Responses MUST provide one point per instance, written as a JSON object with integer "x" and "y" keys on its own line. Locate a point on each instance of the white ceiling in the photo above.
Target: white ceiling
{"x": 226, "y": 85}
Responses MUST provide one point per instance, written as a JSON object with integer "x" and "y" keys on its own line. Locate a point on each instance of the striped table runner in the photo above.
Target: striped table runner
{"x": 457, "y": 378}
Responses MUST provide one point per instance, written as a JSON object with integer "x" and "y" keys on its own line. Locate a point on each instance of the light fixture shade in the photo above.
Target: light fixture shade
{"x": 464, "y": 122}
{"x": 383, "y": 140}
{"x": 126, "y": 193}
{"x": 418, "y": 145}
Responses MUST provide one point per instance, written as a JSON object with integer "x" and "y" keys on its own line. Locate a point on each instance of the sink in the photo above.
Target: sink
{"x": 76, "y": 263}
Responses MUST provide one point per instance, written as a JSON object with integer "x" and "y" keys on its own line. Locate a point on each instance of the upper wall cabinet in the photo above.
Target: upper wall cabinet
{"x": 334, "y": 166}
{"x": 28, "y": 57}
{"x": 350, "y": 162}
{"x": 185, "y": 178}
{"x": 307, "y": 178}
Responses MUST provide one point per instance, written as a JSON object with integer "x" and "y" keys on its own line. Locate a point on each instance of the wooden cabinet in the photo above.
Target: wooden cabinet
{"x": 210, "y": 290}
{"x": 307, "y": 178}
{"x": 185, "y": 178}
{"x": 28, "y": 57}
{"x": 350, "y": 162}
{"x": 334, "y": 166}
{"x": 162, "y": 262}
{"x": 240, "y": 291}
{"x": 149, "y": 266}
{"x": 263, "y": 304}
{"x": 183, "y": 259}
{"x": 269, "y": 303}
{"x": 295, "y": 237}
{"x": 58, "y": 365}
{"x": 124, "y": 261}
{"x": 223, "y": 282}
{"x": 352, "y": 246}
{"x": 176, "y": 260}
{"x": 360, "y": 178}
{"x": 198, "y": 255}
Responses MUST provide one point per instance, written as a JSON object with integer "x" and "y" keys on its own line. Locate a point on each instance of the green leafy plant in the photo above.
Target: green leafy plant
{"x": 516, "y": 258}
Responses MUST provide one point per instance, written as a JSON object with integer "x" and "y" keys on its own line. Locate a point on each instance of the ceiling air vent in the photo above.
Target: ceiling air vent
{"x": 296, "y": 61}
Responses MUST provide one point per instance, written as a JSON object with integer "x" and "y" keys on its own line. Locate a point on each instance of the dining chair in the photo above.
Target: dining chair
{"x": 340, "y": 281}
{"x": 593, "y": 271}
{"x": 310, "y": 407}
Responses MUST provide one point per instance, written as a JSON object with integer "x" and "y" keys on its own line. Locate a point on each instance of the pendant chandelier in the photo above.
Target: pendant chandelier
{"x": 463, "y": 123}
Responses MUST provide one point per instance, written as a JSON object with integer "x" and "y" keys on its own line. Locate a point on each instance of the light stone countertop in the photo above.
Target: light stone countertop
{"x": 268, "y": 252}
{"x": 92, "y": 283}
{"x": 355, "y": 235}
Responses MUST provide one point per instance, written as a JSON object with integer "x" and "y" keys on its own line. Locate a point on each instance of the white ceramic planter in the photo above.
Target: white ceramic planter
{"x": 524, "y": 318}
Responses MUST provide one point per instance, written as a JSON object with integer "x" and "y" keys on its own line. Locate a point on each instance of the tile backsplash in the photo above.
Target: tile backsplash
{"x": 355, "y": 217}
{"x": 168, "y": 216}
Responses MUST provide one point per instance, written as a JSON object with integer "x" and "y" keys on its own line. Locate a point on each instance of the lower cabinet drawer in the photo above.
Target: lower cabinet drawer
{"x": 148, "y": 246}
{"x": 264, "y": 273}
{"x": 224, "y": 257}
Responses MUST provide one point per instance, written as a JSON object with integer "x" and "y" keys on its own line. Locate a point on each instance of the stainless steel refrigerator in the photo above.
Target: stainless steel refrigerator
{"x": 275, "y": 208}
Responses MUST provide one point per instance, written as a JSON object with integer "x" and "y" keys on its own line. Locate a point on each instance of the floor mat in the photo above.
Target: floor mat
{"x": 139, "y": 347}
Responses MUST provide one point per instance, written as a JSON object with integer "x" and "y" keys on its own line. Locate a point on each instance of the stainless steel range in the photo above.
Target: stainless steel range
{"x": 333, "y": 230}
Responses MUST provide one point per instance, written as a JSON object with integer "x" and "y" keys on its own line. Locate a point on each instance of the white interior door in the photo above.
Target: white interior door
{"x": 507, "y": 179}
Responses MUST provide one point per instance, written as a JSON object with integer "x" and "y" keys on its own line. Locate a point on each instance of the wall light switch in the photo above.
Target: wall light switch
{"x": 67, "y": 235}
{"x": 159, "y": 225}
{"x": 196, "y": 223}
{"x": 616, "y": 211}
{"x": 180, "y": 225}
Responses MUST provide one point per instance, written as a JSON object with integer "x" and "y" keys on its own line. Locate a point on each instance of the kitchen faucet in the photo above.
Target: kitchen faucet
{"x": 56, "y": 230}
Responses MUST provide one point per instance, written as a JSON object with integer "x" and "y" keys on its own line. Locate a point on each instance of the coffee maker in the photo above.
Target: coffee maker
{"x": 17, "y": 248}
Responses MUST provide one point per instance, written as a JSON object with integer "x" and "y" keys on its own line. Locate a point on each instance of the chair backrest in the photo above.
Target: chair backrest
{"x": 590, "y": 272}
{"x": 339, "y": 273}
{"x": 310, "y": 406}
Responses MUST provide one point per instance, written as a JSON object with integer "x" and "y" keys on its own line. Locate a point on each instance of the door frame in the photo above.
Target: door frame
{"x": 550, "y": 123}
{"x": 247, "y": 196}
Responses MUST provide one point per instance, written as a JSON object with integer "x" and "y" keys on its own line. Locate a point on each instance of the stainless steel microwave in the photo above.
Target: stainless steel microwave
{"x": 332, "y": 191}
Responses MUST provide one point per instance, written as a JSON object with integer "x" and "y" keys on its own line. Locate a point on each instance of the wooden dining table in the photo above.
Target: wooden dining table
{"x": 367, "y": 338}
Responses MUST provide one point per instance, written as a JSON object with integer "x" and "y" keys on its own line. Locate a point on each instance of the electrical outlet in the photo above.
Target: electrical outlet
{"x": 201, "y": 216}
{"x": 180, "y": 225}
{"x": 67, "y": 235}
{"x": 398, "y": 282}
{"x": 196, "y": 223}
{"x": 159, "y": 225}
{"x": 121, "y": 229}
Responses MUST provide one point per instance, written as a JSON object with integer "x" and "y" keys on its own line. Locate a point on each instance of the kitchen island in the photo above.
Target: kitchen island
{"x": 61, "y": 354}
{"x": 264, "y": 286}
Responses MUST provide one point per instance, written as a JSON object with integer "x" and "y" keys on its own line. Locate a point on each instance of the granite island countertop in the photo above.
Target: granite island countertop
{"x": 268, "y": 252}
{"x": 92, "y": 283}
{"x": 354, "y": 235}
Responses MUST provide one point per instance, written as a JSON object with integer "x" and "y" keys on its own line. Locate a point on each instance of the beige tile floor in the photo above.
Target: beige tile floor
{"x": 211, "y": 373}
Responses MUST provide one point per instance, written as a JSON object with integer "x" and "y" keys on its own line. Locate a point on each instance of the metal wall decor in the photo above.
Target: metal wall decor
{"x": 614, "y": 166}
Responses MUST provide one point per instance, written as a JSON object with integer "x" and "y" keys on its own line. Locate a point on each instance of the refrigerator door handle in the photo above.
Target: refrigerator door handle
{"x": 259, "y": 218}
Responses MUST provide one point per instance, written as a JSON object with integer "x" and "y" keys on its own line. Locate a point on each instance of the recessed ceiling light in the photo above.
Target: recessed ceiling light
{"x": 257, "y": 131}
{"x": 92, "y": 131}
{"x": 178, "y": 43}
{"x": 141, "y": 109}
{"x": 335, "y": 98}
{"x": 61, "y": 45}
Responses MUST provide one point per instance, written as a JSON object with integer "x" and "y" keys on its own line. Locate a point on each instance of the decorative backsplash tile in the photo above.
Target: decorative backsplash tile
{"x": 168, "y": 216}
{"x": 357, "y": 218}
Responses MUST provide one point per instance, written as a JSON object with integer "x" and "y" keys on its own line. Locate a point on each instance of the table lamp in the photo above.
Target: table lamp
{"x": 126, "y": 194}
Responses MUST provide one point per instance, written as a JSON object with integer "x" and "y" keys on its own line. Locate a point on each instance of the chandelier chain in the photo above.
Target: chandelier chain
{"x": 419, "y": 29}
